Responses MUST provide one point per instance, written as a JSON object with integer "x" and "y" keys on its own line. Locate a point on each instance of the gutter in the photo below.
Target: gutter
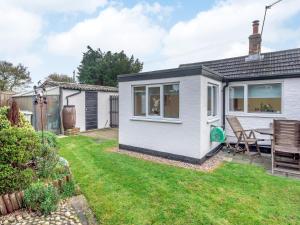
{"x": 60, "y": 111}
{"x": 76, "y": 93}
{"x": 224, "y": 104}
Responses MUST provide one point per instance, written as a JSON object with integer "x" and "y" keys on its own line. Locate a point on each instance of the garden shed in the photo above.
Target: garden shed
{"x": 91, "y": 103}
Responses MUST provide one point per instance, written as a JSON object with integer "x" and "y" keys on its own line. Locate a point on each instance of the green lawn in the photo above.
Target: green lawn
{"x": 125, "y": 190}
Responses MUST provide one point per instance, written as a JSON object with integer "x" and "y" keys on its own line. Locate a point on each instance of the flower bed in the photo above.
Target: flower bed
{"x": 32, "y": 174}
{"x": 15, "y": 201}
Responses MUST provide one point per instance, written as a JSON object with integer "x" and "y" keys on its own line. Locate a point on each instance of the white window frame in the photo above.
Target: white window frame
{"x": 160, "y": 117}
{"x": 215, "y": 102}
{"x": 245, "y": 97}
{"x": 133, "y": 102}
{"x": 160, "y": 101}
{"x": 245, "y": 112}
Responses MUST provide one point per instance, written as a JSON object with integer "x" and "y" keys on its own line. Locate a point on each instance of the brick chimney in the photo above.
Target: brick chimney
{"x": 255, "y": 39}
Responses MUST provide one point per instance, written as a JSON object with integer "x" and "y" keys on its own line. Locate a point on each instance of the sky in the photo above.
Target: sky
{"x": 51, "y": 35}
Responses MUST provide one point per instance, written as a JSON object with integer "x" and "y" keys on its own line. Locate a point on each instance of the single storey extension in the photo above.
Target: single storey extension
{"x": 164, "y": 112}
{"x": 170, "y": 113}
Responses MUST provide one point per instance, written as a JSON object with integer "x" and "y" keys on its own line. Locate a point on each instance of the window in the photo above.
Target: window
{"x": 161, "y": 101}
{"x": 154, "y": 101}
{"x": 264, "y": 98}
{"x": 236, "y": 99}
{"x": 171, "y": 101}
{"x": 139, "y": 101}
{"x": 212, "y": 100}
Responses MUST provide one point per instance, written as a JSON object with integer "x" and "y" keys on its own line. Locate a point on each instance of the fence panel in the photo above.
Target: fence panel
{"x": 114, "y": 111}
{"x": 4, "y": 97}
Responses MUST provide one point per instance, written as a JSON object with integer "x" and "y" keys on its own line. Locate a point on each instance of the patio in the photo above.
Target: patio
{"x": 263, "y": 161}
{"x": 224, "y": 155}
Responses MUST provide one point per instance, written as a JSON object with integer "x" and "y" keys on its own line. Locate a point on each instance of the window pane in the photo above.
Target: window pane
{"x": 139, "y": 101}
{"x": 215, "y": 100}
{"x": 209, "y": 101}
{"x": 236, "y": 99}
{"x": 264, "y": 98}
{"x": 171, "y": 101}
{"x": 154, "y": 101}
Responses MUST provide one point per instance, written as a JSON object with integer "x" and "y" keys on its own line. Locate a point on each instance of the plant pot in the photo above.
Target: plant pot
{"x": 69, "y": 116}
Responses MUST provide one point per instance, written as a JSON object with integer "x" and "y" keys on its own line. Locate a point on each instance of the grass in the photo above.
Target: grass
{"x": 125, "y": 190}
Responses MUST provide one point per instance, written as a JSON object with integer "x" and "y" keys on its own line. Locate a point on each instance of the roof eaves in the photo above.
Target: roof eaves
{"x": 263, "y": 77}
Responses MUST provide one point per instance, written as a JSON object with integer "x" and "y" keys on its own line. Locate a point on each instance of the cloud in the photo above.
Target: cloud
{"x": 114, "y": 29}
{"x": 61, "y": 6}
{"x": 223, "y": 31}
{"x": 19, "y": 29}
{"x": 26, "y": 31}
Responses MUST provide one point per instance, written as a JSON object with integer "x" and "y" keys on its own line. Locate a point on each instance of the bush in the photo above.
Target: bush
{"x": 50, "y": 139}
{"x": 49, "y": 157}
{"x": 47, "y": 162}
{"x": 68, "y": 189}
{"x": 39, "y": 197}
{"x": 61, "y": 169}
{"x": 5, "y": 123}
{"x": 14, "y": 179}
{"x": 18, "y": 146}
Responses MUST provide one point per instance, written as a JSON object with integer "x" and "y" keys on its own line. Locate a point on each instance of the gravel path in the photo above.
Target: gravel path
{"x": 209, "y": 165}
{"x": 65, "y": 215}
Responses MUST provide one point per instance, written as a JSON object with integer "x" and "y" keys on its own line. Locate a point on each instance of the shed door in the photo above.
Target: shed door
{"x": 91, "y": 110}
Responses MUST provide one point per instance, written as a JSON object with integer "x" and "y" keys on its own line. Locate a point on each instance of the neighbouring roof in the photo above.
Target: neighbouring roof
{"x": 168, "y": 73}
{"x": 272, "y": 65}
{"x": 76, "y": 86}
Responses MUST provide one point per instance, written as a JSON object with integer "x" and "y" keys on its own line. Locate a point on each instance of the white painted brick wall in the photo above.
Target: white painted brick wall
{"x": 290, "y": 108}
{"x": 181, "y": 139}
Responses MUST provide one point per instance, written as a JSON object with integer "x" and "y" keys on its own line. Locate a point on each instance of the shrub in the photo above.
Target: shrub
{"x": 13, "y": 179}
{"x": 50, "y": 138}
{"x": 39, "y": 197}
{"x": 47, "y": 162}
{"x": 5, "y": 123}
{"x": 61, "y": 169}
{"x": 68, "y": 189}
{"x": 18, "y": 146}
{"x": 49, "y": 157}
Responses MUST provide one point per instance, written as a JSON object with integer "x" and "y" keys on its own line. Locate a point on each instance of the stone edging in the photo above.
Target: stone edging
{"x": 14, "y": 201}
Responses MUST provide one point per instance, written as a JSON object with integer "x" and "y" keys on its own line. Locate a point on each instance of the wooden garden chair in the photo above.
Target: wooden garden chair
{"x": 286, "y": 146}
{"x": 245, "y": 137}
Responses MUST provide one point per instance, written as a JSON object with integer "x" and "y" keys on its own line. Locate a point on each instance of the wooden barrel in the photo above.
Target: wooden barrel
{"x": 69, "y": 116}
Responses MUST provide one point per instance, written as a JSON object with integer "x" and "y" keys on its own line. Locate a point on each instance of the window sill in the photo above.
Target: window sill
{"x": 212, "y": 120}
{"x": 157, "y": 120}
{"x": 262, "y": 115}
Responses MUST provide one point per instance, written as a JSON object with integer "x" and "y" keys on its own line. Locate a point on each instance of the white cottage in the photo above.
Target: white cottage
{"x": 170, "y": 113}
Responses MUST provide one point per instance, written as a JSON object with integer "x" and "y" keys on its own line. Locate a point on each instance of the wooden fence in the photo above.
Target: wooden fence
{"x": 4, "y": 97}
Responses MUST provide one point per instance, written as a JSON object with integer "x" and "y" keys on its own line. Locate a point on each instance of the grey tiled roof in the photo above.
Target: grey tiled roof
{"x": 271, "y": 64}
{"x": 76, "y": 86}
